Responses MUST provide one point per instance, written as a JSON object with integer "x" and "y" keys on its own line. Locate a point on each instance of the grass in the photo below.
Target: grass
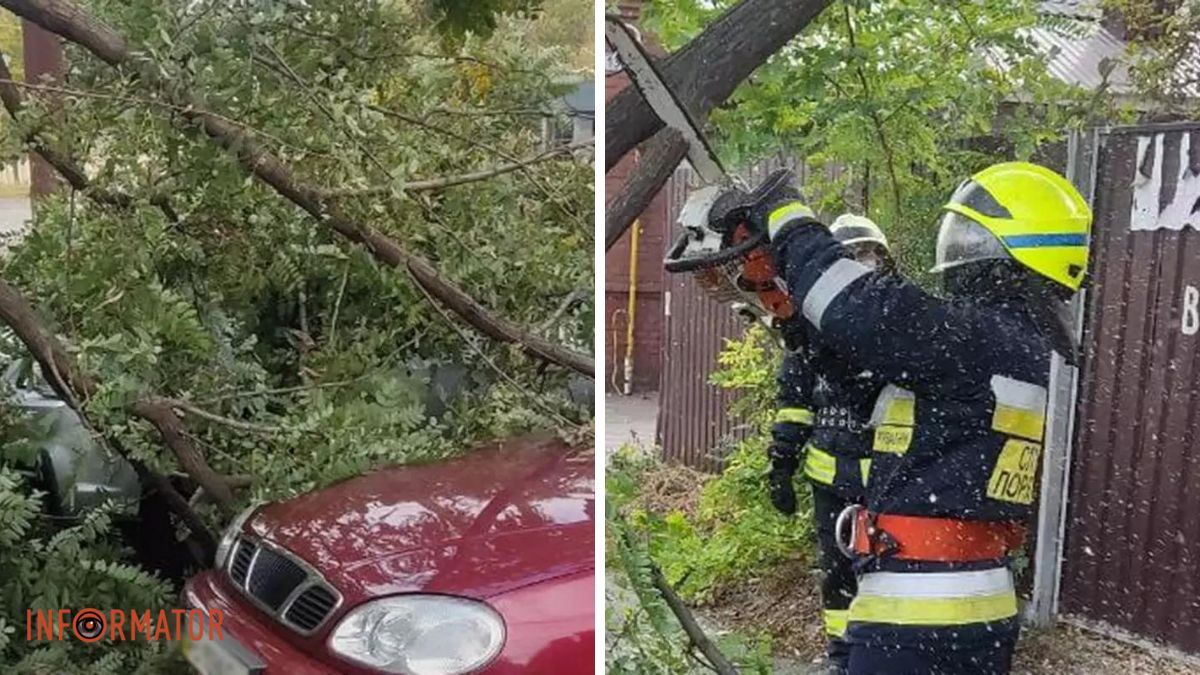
{"x": 784, "y": 603}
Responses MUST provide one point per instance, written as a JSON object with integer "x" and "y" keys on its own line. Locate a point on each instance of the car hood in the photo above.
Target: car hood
{"x": 502, "y": 516}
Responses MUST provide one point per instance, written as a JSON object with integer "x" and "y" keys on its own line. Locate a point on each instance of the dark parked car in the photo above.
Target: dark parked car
{"x": 76, "y": 473}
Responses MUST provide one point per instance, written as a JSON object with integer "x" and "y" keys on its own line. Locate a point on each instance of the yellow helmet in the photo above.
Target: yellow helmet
{"x": 1020, "y": 211}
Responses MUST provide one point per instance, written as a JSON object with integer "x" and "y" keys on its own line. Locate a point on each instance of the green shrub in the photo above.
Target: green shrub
{"x": 42, "y": 567}
{"x": 734, "y": 533}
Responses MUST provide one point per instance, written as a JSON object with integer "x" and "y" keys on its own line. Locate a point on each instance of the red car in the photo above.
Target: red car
{"x": 480, "y": 564}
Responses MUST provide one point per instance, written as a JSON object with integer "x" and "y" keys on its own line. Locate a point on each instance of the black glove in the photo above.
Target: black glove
{"x": 794, "y": 333}
{"x": 779, "y": 189}
{"x": 779, "y": 480}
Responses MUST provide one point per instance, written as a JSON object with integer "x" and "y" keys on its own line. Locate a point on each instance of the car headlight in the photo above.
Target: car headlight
{"x": 420, "y": 635}
{"x": 230, "y": 535}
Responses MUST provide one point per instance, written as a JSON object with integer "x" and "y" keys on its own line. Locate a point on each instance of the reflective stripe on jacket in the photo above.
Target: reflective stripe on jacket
{"x": 820, "y": 390}
{"x": 958, "y": 433}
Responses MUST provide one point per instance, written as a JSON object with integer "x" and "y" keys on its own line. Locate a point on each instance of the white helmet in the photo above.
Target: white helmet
{"x": 850, "y": 229}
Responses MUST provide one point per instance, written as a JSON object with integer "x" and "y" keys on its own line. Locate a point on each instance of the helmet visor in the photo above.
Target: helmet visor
{"x": 963, "y": 240}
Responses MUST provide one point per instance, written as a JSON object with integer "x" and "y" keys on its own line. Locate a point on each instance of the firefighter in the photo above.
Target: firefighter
{"x": 824, "y": 405}
{"x": 957, "y": 432}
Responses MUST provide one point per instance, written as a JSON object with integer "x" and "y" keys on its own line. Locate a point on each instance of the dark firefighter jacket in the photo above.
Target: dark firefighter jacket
{"x": 818, "y": 386}
{"x": 958, "y": 431}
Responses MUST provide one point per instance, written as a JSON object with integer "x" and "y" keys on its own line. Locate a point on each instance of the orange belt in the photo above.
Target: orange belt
{"x": 935, "y": 539}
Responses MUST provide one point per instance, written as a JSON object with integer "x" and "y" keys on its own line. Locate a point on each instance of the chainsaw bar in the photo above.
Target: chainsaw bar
{"x": 663, "y": 101}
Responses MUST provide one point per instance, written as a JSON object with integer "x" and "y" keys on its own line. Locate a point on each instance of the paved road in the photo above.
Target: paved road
{"x": 630, "y": 419}
{"x": 14, "y": 213}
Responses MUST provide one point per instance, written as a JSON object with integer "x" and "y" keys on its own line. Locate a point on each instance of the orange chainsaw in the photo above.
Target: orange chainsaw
{"x": 719, "y": 246}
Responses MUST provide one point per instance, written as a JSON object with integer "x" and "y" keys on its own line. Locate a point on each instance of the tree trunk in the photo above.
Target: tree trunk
{"x": 77, "y": 25}
{"x": 705, "y": 72}
{"x": 44, "y": 64}
{"x": 656, "y": 162}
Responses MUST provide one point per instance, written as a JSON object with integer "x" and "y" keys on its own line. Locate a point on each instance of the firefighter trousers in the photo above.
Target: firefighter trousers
{"x": 938, "y": 657}
{"x": 838, "y": 584}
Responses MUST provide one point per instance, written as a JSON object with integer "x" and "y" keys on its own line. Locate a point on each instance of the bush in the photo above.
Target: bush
{"x": 42, "y": 567}
{"x": 734, "y": 533}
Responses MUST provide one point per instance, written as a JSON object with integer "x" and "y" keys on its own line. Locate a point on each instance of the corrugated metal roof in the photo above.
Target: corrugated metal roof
{"x": 1077, "y": 56}
{"x": 1077, "y": 46}
{"x": 1078, "y": 9}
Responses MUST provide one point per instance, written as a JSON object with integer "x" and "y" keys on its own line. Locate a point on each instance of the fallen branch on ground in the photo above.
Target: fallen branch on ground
{"x": 691, "y": 627}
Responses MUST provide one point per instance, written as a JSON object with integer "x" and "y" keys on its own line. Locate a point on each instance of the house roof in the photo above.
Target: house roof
{"x": 1079, "y": 55}
{"x": 1078, "y": 48}
{"x": 1075, "y": 9}
{"x": 581, "y": 100}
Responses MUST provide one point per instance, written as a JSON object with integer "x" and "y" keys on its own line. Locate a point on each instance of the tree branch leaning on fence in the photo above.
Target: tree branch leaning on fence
{"x": 77, "y": 25}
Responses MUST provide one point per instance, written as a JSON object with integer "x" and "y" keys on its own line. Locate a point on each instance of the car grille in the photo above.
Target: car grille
{"x": 281, "y": 585}
{"x": 311, "y": 607}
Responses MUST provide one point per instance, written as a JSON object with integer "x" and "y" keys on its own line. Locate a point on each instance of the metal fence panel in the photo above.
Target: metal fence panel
{"x": 1133, "y": 538}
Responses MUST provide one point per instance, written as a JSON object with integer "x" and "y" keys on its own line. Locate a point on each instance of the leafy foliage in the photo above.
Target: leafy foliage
{"x": 1163, "y": 51}
{"x": 734, "y": 534}
{"x": 892, "y": 103}
{"x": 79, "y": 566}
{"x": 312, "y": 362}
{"x": 244, "y": 294}
{"x": 478, "y": 16}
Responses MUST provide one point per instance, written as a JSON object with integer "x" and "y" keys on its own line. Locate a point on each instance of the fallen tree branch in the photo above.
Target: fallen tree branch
{"x": 432, "y": 184}
{"x": 554, "y": 196}
{"x": 234, "y": 482}
{"x": 153, "y": 481}
{"x": 483, "y": 112}
{"x": 662, "y": 154}
{"x": 516, "y": 386}
{"x": 281, "y": 390}
{"x": 694, "y": 632}
{"x": 190, "y": 409}
{"x": 72, "y": 385}
{"x": 704, "y": 74}
{"x": 687, "y": 621}
{"x": 153, "y": 103}
{"x": 79, "y": 26}
{"x": 569, "y": 300}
